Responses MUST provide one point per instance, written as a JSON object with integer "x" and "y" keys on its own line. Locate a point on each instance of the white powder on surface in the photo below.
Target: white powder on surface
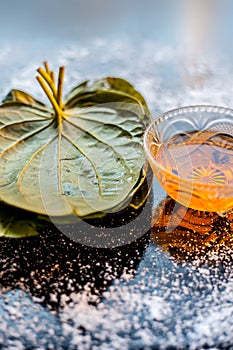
{"x": 166, "y": 303}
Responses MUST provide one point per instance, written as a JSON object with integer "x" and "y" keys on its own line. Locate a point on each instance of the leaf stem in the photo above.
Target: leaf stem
{"x": 53, "y": 92}
{"x": 48, "y": 80}
{"x": 49, "y": 95}
{"x": 60, "y": 86}
{"x": 46, "y": 65}
{"x": 52, "y": 74}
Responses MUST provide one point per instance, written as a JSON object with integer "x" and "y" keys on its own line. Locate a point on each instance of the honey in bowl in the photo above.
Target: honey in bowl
{"x": 198, "y": 169}
{"x": 195, "y": 167}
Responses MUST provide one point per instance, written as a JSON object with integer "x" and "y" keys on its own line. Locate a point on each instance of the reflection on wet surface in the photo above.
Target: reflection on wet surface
{"x": 51, "y": 265}
{"x": 187, "y": 233}
{"x": 44, "y": 278}
{"x": 144, "y": 297}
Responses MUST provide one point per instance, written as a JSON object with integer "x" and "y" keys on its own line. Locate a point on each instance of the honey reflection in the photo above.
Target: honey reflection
{"x": 188, "y": 234}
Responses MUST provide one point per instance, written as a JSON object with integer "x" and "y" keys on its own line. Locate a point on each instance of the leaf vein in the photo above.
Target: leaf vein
{"x": 26, "y": 137}
{"x": 89, "y": 159}
{"x": 102, "y": 122}
{"x": 21, "y": 122}
{"x": 101, "y": 141}
{"x": 22, "y": 172}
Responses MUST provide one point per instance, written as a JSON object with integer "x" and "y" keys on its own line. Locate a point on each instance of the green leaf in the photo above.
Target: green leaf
{"x": 15, "y": 223}
{"x": 86, "y": 157}
{"x": 17, "y": 96}
{"x": 108, "y": 89}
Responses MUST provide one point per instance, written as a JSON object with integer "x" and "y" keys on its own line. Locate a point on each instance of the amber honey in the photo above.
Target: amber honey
{"x": 196, "y": 169}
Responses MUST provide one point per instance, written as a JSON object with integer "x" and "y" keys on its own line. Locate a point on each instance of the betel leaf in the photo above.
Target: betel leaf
{"x": 108, "y": 89}
{"x": 21, "y": 97}
{"x": 15, "y": 223}
{"x": 82, "y": 156}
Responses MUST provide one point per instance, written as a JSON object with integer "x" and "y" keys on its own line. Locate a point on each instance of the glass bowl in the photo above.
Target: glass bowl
{"x": 190, "y": 151}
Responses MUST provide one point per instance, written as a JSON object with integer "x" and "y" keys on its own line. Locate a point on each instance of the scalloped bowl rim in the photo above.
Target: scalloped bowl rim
{"x": 171, "y": 113}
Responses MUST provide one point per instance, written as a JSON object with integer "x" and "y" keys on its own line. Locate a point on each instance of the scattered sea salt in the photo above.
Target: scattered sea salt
{"x": 165, "y": 303}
